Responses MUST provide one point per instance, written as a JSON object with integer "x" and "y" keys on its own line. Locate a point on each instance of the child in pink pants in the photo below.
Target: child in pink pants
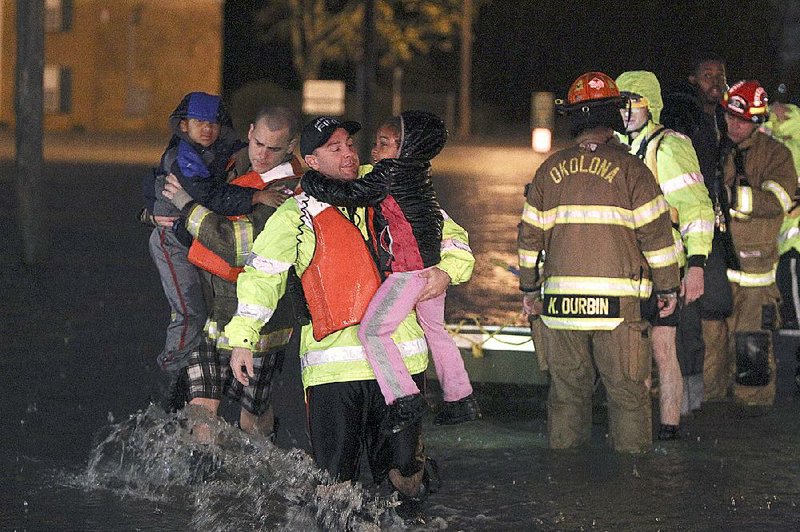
{"x": 408, "y": 230}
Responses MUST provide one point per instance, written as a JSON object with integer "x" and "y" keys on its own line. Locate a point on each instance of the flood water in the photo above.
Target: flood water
{"x": 83, "y": 450}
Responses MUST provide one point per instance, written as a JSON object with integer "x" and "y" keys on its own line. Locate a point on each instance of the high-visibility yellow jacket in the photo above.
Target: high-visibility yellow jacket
{"x": 596, "y": 216}
{"x": 787, "y": 131}
{"x": 673, "y": 161}
{"x": 288, "y": 240}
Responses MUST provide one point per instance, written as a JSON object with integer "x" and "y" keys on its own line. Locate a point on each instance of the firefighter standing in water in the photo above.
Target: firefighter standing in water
{"x": 672, "y": 159}
{"x": 596, "y": 196}
{"x": 759, "y": 176}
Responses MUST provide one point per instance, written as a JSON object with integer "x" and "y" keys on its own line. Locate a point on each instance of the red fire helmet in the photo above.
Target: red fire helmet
{"x": 747, "y": 100}
{"x": 592, "y": 86}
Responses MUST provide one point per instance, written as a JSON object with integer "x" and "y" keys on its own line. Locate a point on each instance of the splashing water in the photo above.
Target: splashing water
{"x": 237, "y": 482}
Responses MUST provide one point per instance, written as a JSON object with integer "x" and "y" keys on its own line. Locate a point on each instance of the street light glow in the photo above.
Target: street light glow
{"x": 541, "y": 139}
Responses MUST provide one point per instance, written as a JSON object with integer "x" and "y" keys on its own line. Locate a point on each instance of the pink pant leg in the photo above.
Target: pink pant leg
{"x": 390, "y": 305}
{"x": 447, "y": 359}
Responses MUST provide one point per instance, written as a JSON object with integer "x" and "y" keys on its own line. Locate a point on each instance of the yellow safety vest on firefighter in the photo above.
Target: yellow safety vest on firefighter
{"x": 289, "y": 239}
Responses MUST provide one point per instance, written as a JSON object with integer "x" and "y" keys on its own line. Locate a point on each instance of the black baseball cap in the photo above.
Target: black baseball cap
{"x": 318, "y": 131}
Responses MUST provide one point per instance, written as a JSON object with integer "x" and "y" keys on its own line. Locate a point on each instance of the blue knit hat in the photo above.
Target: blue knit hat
{"x": 203, "y": 106}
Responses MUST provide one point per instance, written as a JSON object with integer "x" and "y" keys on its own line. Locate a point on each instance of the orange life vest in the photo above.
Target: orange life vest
{"x": 342, "y": 277}
{"x": 204, "y": 258}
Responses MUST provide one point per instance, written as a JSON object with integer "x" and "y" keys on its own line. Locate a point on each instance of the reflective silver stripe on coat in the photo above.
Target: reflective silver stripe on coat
{"x": 355, "y": 353}
{"x": 265, "y": 265}
{"x": 256, "y": 312}
{"x": 452, "y": 243}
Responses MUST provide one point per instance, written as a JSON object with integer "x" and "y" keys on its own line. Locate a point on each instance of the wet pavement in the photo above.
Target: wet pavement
{"x": 81, "y": 330}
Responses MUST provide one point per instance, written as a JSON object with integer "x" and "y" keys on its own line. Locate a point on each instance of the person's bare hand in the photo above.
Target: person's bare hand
{"x": 531, "y": 305}
{"x": 667, "y": 305}
{"x": 693, "y": 284}
{"x": 241, "y": 357}
{"x": 273, "y": 197}
{"x": 165, "y": 221}
{"x": 174, "y": 192}
{"x": 438, "y": 281}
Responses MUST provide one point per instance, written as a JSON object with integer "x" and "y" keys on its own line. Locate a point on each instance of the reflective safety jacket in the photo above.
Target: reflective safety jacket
{"x": 596, "y": 219}
{"x": 671, "y": 158}
{"x": 759, "y": 200}
{"x": 205, "y": 258}
{"x": 787, "y": 132}
{"x": 289, "y": 240}
{"x": 231, "y": 240}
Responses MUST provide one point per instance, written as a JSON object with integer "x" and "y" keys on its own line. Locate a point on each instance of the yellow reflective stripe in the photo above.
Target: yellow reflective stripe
{"x": 582, "y": 324}
{"x": 527, "y": 259}
{"x": 266, "y": 265}
{"x": 533, "y": 216}
{"x": 355, "y": 353}
{"x": 752, "y": 279}
{"x": 243, "y": 240}
{"x": 211, "y": 329}
{"x": 598, "y": 286}
{"x": 680, "y": 182}
{"x": 739, "y": 215}
{"x": 660, "y": 258}
{"x": 594, "y": 214}
{"x": 744, "y": 203}
{"x": 650, "y": 211}
{"x": 195, "y": 219}
{"x": 256, "y": 312}
{"x": 784, "y": 198}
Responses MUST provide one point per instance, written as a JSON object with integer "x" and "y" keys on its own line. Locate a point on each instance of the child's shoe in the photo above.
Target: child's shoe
{"x": 403, "y": 413}
{"x": 460, "y": 411}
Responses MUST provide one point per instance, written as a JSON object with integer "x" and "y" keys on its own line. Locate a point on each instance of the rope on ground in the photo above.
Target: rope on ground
{"x": 477, "y": 346}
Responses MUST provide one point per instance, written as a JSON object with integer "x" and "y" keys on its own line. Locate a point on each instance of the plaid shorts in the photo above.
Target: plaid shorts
{"x": 210, "y": 377}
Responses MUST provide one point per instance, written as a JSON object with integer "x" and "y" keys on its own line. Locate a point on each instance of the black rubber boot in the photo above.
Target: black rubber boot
{"x": 403, "y": 413}
{"x": 460, "y": 411}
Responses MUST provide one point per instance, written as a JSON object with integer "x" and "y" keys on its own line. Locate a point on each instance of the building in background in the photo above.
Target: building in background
{"x": 117, "y": 65}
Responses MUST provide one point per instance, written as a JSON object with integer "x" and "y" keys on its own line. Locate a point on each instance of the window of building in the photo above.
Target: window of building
{"x": 57, "y": 89}
{"x": 57, "y": 15}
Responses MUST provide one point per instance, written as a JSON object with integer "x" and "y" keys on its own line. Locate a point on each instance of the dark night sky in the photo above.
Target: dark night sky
{"x": 527, "y": 45}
